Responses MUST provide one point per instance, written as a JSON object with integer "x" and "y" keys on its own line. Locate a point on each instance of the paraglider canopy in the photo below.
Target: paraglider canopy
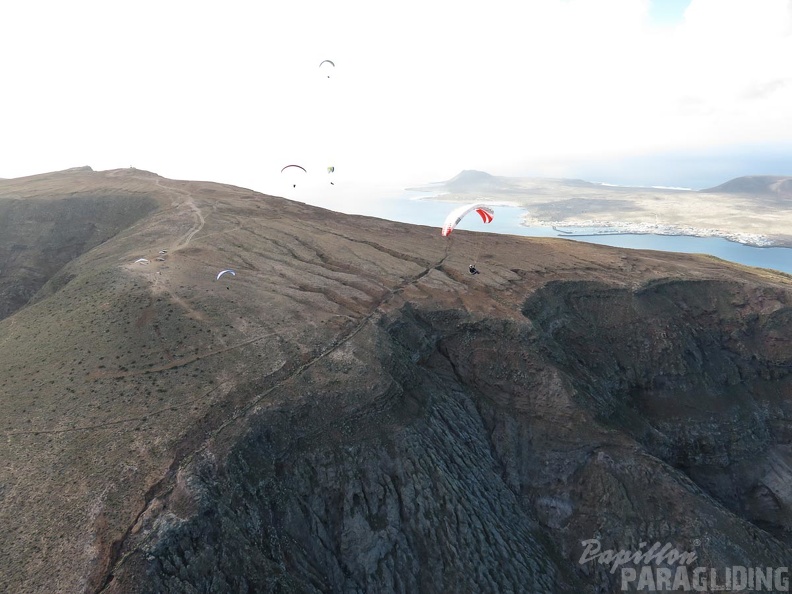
{"x": 222, "y": 272}
{"x": 456, "y": 215}
{"x": 294, "y": 185}
{"x": 141, "y": 261}
{"x": 329, "y": 63}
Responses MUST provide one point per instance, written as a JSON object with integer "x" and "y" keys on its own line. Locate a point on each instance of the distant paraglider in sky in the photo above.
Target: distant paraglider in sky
{"x": 141, "y": 261}
{"x": 222, "y": 272}
{"x": 294, "y": 185}
{"x": 326, "y": 66}
{"x": 456, "y": 215}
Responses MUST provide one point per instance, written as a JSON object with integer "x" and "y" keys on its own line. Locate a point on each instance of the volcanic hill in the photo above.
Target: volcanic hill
{"x": 354, "y": 412}
{"x": 756, "y": 184}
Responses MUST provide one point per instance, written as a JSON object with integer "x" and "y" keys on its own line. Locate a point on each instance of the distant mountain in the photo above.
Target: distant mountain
{"x": 471, "y": 181}
{"x": 755, "y": 184}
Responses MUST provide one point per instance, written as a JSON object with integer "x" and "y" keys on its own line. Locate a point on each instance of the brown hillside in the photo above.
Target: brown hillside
{"x": 46, "y": 221}
{"x": 354, "y": 412}
{"x": 755, "y": 184}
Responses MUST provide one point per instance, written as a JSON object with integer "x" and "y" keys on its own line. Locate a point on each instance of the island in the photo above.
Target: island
{"x": 752, "y": 210}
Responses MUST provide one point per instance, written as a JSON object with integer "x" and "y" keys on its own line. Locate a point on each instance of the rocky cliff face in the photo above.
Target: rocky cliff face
{"x": 357, "y": 414}
{"x": 491, "y": 449}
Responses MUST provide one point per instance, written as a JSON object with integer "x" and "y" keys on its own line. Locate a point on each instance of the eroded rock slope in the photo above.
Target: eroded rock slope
{"x": 353, "y": 412}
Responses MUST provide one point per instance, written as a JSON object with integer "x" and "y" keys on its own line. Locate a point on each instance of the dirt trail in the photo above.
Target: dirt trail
{"x": 187, "y": 199}
{"x": 158, "y": 283}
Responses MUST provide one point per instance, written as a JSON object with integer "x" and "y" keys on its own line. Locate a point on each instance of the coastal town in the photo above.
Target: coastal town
{"x": 751, "y": 210}
{"x": 594, "y": 227}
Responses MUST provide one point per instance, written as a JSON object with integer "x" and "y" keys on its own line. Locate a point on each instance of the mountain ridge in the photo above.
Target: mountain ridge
{"x": 762, "y": 184}
{"x": 354, "y": 412}
{"x": 471, "y": 180}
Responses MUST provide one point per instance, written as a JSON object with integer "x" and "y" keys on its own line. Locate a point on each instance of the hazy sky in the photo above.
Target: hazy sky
{"x": 231, "y": 91}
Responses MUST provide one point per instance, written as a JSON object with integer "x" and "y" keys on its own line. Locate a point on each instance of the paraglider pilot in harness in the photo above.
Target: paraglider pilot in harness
{"x": 473, "y": 269}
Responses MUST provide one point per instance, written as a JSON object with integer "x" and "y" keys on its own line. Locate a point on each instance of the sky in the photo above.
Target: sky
{"x": 651, "y": 92}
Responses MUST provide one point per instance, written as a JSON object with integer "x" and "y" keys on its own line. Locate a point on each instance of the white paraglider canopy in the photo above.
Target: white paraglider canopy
{"x": 456, "y": 215}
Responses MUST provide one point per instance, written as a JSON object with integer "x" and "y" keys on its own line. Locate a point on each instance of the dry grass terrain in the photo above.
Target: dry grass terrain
{"x": 123, "y": 386}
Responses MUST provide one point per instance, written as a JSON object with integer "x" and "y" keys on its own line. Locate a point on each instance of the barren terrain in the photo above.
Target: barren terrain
{"x": 354, "y": 412}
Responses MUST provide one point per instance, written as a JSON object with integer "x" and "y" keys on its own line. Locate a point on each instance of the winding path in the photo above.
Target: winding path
{"x": 200, "y": 221}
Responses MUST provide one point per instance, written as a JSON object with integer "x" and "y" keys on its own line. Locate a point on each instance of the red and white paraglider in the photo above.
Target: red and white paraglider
{"x": 456, "y": 215}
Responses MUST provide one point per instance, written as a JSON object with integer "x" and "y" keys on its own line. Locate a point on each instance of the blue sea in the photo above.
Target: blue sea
{"x": 417, "y": 208}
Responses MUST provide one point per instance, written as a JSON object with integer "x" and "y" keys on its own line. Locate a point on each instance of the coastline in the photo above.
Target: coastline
{"x": 594, "y": 228}
{"x": 601, "y": 228}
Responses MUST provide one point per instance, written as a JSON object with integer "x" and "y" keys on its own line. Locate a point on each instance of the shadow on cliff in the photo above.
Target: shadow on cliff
{"x": 475, "y": 454}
